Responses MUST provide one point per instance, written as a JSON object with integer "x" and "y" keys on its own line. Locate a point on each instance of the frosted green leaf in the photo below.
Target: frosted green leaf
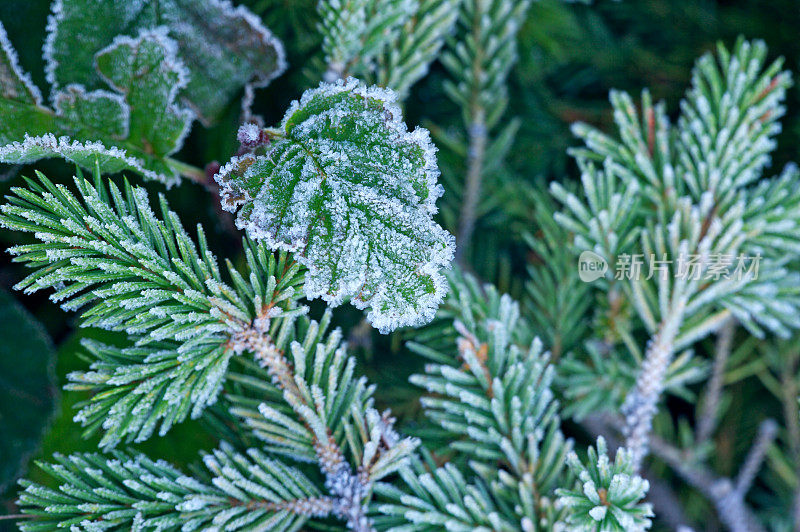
{"x": 111, "y": 160}
{"x": 154, "y": 119}
{"x": 134, "y": 127}
{"x": 352, "y": 192}
{"x": 223, "y": 47}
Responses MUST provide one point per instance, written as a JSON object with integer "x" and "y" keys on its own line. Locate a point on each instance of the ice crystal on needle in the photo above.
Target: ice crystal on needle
{"x": 608, "y": 494}
{"x": 347, "y": 187}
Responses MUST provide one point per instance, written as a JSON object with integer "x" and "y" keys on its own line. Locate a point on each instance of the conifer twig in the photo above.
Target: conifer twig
{"x": 726, "y": 495}
{"x": 348, "y": 488}
{"x": 661, "y": 494}
{"x": 708, "y": 416}
{"x": 480, "y": 65}
{"x": 721, "y": 491}
{"x": 641, "y": 404}
{"x": 476, "y": 152}
{"x": 476, "y": 147}
{"x": 340, "y": 480}
{"x": 766, "y": 435}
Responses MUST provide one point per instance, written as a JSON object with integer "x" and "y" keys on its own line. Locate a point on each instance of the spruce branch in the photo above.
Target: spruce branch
{"x": 309, "y": 408}
{"x": 406, "y": 59}
{"x": 661, "y": 494}
{"x": 390, "y": 43}
{"x": 479, "y": 66}
{"x": 107, "y": 255}
{"x": 674, "y": 299}
{"x": 727, "y": 495}
{"x": 355, "y": 31}
{"x": 692, "y": 186}
{"x": 320, "y": 413}
{"x": 130, "y": 491}
{"x": 641, "y": 403}
{"x": 609, "y": 494}
{"x": 489, "y": 398}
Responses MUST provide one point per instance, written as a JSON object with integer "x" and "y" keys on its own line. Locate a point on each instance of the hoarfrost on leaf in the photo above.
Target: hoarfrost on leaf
{"x": 86, "y": 154}
{"x": 223, "y": 47}
{"x": 347, "y": 187}
{"x": 15, "y": 84}
{"x": 148, "y": 72}
{"x": 135, "y": 126}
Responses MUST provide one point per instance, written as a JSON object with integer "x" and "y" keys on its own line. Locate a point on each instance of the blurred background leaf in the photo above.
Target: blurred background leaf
{"x": 27, "y": 387}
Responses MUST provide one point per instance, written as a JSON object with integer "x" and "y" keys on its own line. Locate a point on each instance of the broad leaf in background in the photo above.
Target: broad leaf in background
{"x": 27, "y": 386}
{"x": 223, "y": 47}
{"x": 347, "y": 187}
{"x": 134, "y": 128}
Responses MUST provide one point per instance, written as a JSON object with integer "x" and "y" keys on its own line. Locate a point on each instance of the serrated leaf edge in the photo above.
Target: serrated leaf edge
{"x": 161, "y": 36}
{"x": 232, "y": 198}
{"x": 62, "y": 145}
{"x": 23, "y": 76}
{"x": 57, "y": 14}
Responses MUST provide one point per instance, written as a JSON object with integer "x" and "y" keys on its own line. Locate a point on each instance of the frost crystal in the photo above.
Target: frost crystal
{"x": 111, "y": 160}
{"x": 135, "y": 126}
{"x": 223, "y": 47}
{"x": 251, "y": 136}
{"x": 352, "y": 191}
{"x": 15, "y": 84}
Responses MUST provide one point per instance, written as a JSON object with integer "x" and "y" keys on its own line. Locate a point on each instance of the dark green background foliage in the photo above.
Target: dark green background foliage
{"x": 570, "y": 55}
{"x": 27, "y": 391}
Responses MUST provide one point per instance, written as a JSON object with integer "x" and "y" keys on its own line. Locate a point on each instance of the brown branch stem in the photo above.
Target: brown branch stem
{"x": 476, "y": 153}
{"x": 710, "y": 403}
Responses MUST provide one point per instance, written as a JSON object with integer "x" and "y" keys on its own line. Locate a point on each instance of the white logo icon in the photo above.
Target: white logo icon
{"x": 591, "y": 266}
